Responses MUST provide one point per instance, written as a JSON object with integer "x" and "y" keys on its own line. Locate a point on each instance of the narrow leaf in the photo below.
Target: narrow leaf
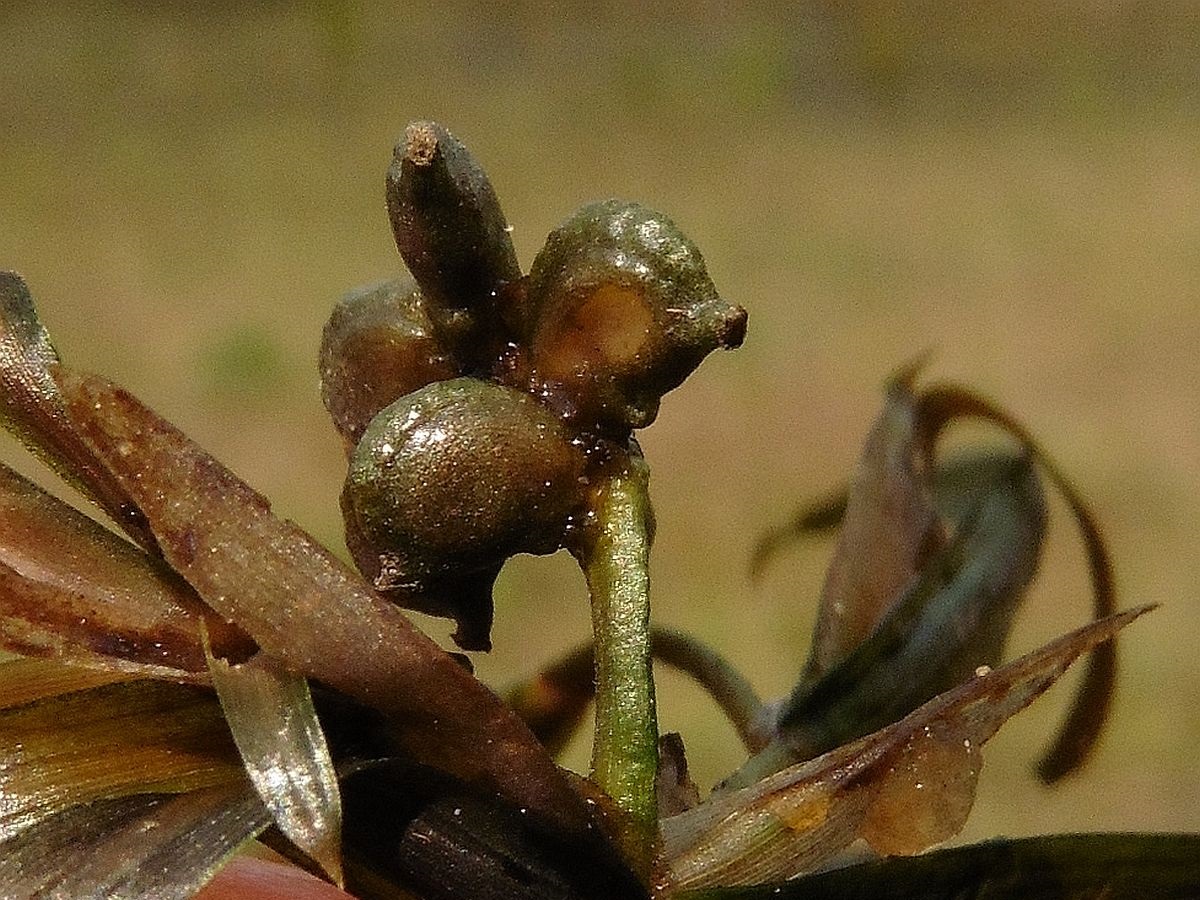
{"x": 72, "y": 589}
{"x": 902, "y": 789}
{"x": 1050, "y": 867}
{"x": 954, "y": 617}
{"x": 890, "y": 527}
{"x": 107, "y": 742}
{"x": 33, "y": 409}
{"x": 307, "y": 609}
{"x": 23, "y": 681}
{"x": 274, "y": 724}
{"x": 148, "y": 845}
{"x": 944, "y": 403}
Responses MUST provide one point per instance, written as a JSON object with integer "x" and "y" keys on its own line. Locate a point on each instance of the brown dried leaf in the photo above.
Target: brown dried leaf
{"x": 941, "y": 404}
{"x": 274, "y": 724}
{"x": 952, "y": 618}
{"x": 107, "y": 742}
{"x": 307, "y": 609}
{"x": 72, "y": 589}
{"x": 23, "y": 681}
{"x": 902, "y": 789}
{"x": 147, "y": 845}
{"x": 32, "y": 408}
{"x": 890, "y": 527}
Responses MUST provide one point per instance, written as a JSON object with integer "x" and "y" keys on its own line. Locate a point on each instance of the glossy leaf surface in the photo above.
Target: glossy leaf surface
{"x": 107, "y": 742}
{"x": 32, "y": 407}
{"x": 274, "y": 724}
{"x": 306, "y": 608}
{"x": 1052, "y": 867}
{"x": 146, "y": 845}
{"x": 72, "y": 589}
{"x": 901, "y": 789}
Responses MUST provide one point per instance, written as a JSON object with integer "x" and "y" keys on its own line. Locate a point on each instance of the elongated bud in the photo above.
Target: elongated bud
{"x": 450, "y": 481}
{"x": 619, "y": 310}
{"x": 378, "y": 346}
{"x": 448, "y": 225}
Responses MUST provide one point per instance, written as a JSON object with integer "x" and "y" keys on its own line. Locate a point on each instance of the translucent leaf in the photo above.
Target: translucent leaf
{"x": 274, "y": 724}
{"x": 903, "y": 788}
{"x": 32, "y": 408}
{"x": 890, "y": 527}
{"x": 953, "y": 617}
{"x": 304, "y": 607}
{"x": 71, "y": 588}
{"x": 1050, "y": 867}
{"x": 147, "y": 845}
{"x": 944, "y": 403}
{"x": 23, "y": 681}
{"x": 897, "y": 520}
{"x": 108, "y": 742}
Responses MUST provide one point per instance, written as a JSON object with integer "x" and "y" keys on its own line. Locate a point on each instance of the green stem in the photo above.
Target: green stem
{"x": 615, "y": 556}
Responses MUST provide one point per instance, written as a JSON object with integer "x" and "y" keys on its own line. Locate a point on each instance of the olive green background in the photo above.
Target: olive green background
{"x": 1014, "y": 185}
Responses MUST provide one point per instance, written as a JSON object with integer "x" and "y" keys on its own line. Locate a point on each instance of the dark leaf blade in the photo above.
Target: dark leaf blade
{"x": 148, "y": 845}
{"x": 414, "y": 828}
{"x": 32, "y": 407}
{"x": 890, "y": 527}
{"x": 108, "y": 742}
{"x": 307, "y": 609}
{"x": 819, "y": 516}
{"x": 274, "y": 725}
{"x": 902, "y": 789}
{"x": 1078, "y": 734}
{"x": 72, "y": 589}
{"x": 1051, "y": 867}
{"x": 954, "y": 617}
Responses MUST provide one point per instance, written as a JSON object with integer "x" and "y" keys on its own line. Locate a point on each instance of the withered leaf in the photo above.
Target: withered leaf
{"x": 146, "y": 845}
{"x": 274, "y": 724}
{"x": 306, "y": 608}
{"x": 953, "y": 617}
{"x": 23, "y": 681}
{"x": 32, "y": 408}
{"x": 107, "y": 742}
{"x": 942, "y": 404}
{"x": 889, "y": 537}
{"x": 1050, "y": 867}
{"x": 901, "y": 789}
{"x": 890, "y": 527}
{"x": 72, "y": 589}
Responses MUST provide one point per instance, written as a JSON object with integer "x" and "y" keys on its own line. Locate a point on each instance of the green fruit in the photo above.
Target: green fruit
{"x": 450, "y": 481}
{"x": 619, "y": 309}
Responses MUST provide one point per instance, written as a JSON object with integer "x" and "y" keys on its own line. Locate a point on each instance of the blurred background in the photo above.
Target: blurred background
{"x": 188, "y": 188}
